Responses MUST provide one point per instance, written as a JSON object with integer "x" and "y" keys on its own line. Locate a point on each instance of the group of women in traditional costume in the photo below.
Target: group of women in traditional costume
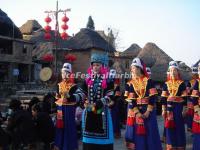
{"x": 100, "y": 122}
{"x": 97, "y": 93}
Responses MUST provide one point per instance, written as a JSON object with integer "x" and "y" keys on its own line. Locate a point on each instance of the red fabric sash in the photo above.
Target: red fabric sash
{"x": 169, "y": 121}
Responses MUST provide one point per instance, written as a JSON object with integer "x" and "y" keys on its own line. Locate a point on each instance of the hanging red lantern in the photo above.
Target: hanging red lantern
{"x": 47, "y": 28}
{"x": 70, "y": 57}
{"x": 47, "y": 36}
{"x": 47, "y": 19}
{"x": 65, "y": 19}
{"x": 64, "y": 35}
{"x": 64, "y": 27}
{"x": 48, "y": 57}
{"x": 73, "y": 58}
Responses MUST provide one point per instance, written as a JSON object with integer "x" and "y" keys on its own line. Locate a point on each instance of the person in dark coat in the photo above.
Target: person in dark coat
{"x": 49, "y": 105}
{"x": 33, "y": 101}
{"x": 4, "y": 136}
{"x": 20, "y": 126}
{"x": 114, "y": 107}
{"x": 44, "y": 126}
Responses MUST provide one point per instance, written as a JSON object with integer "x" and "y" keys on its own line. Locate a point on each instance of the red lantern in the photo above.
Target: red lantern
{"x": 47, "y": 19}
{"x": 47, "y": 36}
{"x": 73, "y": 58}
{"x": 64, "y": 35}
{"x": 70, "y": 57}
{"x": 64, "y": 26}
{"x": 65, "y": 19}
{"x": 47, "y": 28}
{"x": 48, "y": 57}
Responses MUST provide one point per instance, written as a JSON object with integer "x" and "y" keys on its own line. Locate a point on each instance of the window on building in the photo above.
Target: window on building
{"x": 4, "y": 72}
{"x": 6, "y": 46}
{"x": 127, "y": 64}
{"x": 23, "y": 73}
{"x": 24, "y": 51}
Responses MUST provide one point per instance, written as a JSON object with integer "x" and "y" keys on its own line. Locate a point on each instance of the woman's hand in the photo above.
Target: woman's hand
{"x": 184, "y": 112}
{"x": 138, "y": 115}
{"x": 164, "y": 114}
{"x": 111, "y": 103}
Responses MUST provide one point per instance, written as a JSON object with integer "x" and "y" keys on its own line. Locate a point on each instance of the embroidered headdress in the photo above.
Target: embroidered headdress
{"x": 67, "y": 67}
{"x": 96, "y": 58}
{"x": 139, "y": 63}
{"x": 173, "y": 64}
{"x": 194, "y": 70}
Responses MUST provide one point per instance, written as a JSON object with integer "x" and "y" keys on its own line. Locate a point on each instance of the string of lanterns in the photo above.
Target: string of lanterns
{"x": 64, "y": 27}
{"x": 47, "y": 28}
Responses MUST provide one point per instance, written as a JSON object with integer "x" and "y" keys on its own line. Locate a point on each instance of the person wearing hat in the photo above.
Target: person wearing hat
{"x": 196, "y": 120}
{"x": 114, "y": 107}
{"x": 97, "y": 129}
{"x": 190, "y": 108}
{"x": 142, "y": 128}
{"x": 173, "y": 98}
{"x": 68, "y": 94}
{"x": 163, "y": 139}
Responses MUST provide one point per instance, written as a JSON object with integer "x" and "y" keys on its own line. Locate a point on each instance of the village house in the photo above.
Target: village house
{"x": 16, "y": 64}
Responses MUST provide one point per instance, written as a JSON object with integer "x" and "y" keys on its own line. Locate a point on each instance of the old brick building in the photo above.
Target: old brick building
{"x": 15, "y": 60}
{"x": 15, "y": 53}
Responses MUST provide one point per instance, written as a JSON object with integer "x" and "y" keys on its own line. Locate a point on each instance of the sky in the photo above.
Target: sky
{"x": 173, "y": 25}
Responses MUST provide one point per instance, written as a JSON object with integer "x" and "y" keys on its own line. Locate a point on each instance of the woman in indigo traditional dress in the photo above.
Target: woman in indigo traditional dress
{"x": 141, "y": 129}
{"x": 196, "y": 120}
{"x": 174, "y": 100}
{"x": 68, "y": 94}
{"x": 190, "y": 107}
{"x": 97, "y": 122}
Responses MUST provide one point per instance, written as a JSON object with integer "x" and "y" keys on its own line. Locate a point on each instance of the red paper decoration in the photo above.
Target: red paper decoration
{"x": 64, "y": 35}
{"x": 70, "y": 57}
{"x": 47, "y": 28}
{"x": 65, "y": 19}
{"x": 47, "y": 19}
{"x": 48, "y": 58}
{"x": 64, "y": 27}
{"x": 47, "y": 36}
